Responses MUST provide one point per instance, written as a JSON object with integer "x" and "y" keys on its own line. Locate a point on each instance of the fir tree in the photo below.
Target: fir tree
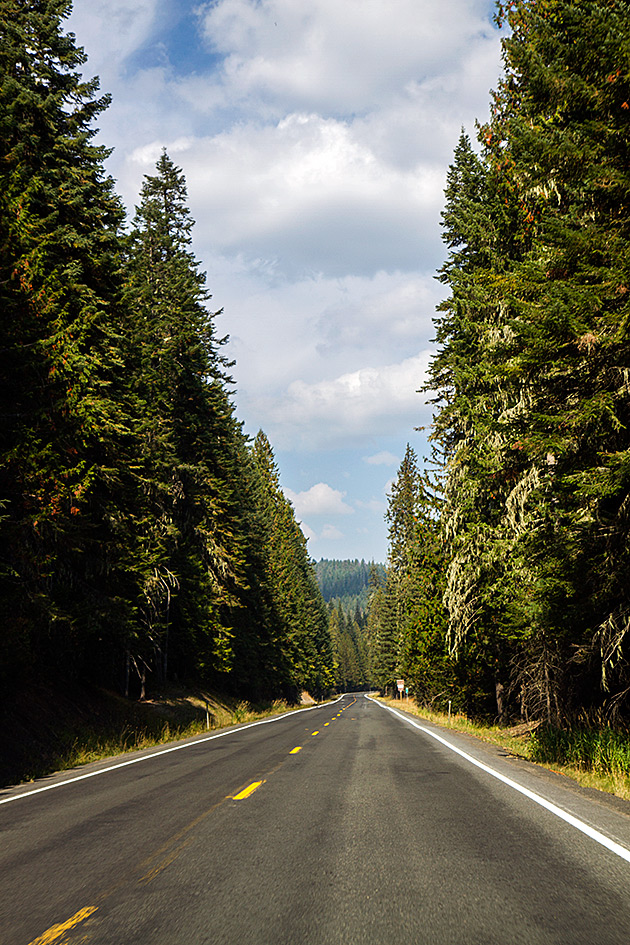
{"x": 65, "y": 429}
{"x": 299, "y": 612}
{"x": 191, "y": 569}
{"x": 562, "y": 132}
{"x": 382, "y": 632}
{"x": 533, "y": 401}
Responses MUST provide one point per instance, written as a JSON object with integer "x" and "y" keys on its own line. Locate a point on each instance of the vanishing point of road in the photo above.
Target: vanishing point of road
{"x": 345, "y": 823}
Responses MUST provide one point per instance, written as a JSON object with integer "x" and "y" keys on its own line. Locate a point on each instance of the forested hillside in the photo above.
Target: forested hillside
{"x": 345, "y": 586}
{"x": 507, "y": 586}
{"x": 142, "y": 536}
{"x": 346, "y": 581}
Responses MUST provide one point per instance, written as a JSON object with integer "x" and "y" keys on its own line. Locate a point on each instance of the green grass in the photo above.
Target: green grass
{"x": 589, "y": 749}
{"x": 594, "y": 756}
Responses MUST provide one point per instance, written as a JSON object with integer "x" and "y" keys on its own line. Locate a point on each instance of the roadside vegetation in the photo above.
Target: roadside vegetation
{"x": 144, "y": 537}
{"x": 54, "y": 730}
{"x": 506, "y": 592}
{"x": 594, "y": 756}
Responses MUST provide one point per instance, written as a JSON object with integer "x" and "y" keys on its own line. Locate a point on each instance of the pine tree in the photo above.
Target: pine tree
{"x": 350, "y": 648}
{"x": 382, "y": 632}
{"x": 416, "y": 581}
{"x": 562, "y": 130}
{"x": 481, "y": 407}
{"x": 533, "y": 399}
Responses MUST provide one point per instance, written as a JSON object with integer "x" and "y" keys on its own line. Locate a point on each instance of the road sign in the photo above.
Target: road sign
{"x": 401, "y": 684}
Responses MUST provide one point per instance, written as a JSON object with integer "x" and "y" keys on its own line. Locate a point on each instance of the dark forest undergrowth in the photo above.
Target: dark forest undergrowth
{"x": 46, "y": 728}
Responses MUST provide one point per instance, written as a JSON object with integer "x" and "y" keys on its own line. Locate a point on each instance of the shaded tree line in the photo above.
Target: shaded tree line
{"x": 530, "y": 384}
{"x": 346, "y": 582}
{"x": 345, "y": 586}
{"x": 351, "y": 648}
{"x": 407, "y": 619}
{"x": 341, "y": 578}
{"x": 142, "y": 535}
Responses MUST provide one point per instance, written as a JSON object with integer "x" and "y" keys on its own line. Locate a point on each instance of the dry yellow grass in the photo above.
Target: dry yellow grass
{"x": 516, "y": 741}
{"x": 175, "y": 711}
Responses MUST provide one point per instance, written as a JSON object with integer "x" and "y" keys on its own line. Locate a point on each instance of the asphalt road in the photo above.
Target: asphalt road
{"x": 373, "y": 832}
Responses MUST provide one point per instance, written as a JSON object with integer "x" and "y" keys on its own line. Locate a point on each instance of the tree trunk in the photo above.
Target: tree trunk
{"x": 499, "y": 692}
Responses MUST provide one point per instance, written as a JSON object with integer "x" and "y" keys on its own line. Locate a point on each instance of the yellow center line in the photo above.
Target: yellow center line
{"x": 247, "y": 791}
{"x": 56, "y": 931}
{"x": 326, "y": 723}
{"x": 316, "y": 733}
{"x": 294, "y": 751}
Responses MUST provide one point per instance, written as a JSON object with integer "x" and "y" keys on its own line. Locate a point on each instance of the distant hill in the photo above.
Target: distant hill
{"x": 345, "y": 581}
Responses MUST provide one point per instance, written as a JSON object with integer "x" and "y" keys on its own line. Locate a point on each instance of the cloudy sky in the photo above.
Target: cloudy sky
{"x": 315, "y": 139}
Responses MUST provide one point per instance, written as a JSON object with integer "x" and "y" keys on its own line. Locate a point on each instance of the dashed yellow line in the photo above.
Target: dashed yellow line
{"x": 247, "y": 791}
{"x": 56, "y": 931}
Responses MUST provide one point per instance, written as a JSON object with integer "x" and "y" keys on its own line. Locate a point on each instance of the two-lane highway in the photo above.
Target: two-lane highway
{"x": 340, "y": 824}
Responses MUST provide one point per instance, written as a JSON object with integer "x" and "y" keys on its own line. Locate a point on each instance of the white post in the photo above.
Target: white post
{"x": 449, "y": 711}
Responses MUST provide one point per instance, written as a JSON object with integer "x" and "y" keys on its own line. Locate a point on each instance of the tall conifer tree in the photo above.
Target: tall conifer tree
{"x": 64, "y": 427}
{"x": 190, "y": 442}
{"x": 537, "y": 492}
{"x": 299, "y": 611}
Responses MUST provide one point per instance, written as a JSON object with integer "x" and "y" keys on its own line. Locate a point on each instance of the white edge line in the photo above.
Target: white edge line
{"x": 165, "y": 751}
{"x": 552, "y": 808}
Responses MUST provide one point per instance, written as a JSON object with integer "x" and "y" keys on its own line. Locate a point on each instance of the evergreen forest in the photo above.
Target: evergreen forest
{"x": 143, "y": 536}
{"x": 507, "y": 588}
{"x": 346, "y": 581}
{"x": 346, "y": 588}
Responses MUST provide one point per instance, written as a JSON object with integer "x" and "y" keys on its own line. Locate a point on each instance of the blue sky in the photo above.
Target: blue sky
{"x": 315, "y": 139}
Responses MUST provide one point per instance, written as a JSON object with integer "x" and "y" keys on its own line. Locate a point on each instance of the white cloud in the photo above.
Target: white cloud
{"x": 341, "y": 168}
{"x": 381, "y": 459}
{"x": 320, "y": 499}
{"x": 307, "y": 194}
{"x": 111, "y": 30}
{"x": 338, "y": 57}
{"x": 315, "y": 140}
{"x": 147, "y": 155}
{"x": 331, "y": 533}
{"x": 369, "y": 401}
{"x": 390, "y": 312}
{"x": 319, "y": 322}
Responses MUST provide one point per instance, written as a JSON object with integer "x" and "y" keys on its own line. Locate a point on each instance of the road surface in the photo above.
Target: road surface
{"x": 340, "y": 824}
